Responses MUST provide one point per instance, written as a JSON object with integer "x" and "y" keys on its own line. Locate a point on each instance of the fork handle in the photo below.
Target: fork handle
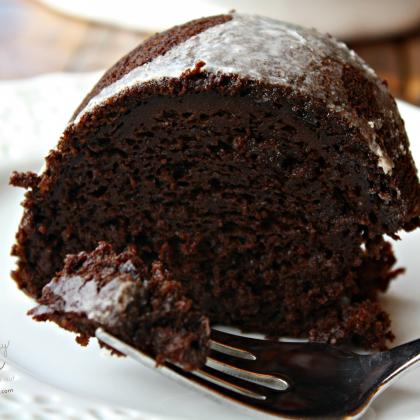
{"x": 399, "y": 360}
{"x": 408, "y": 353}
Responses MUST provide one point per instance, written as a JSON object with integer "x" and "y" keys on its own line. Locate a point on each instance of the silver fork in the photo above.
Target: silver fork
{"x": 287, "y": 379}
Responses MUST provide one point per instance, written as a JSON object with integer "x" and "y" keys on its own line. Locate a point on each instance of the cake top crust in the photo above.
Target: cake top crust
{"x": 254, "y": 47}
{"x": 266, "y": 51}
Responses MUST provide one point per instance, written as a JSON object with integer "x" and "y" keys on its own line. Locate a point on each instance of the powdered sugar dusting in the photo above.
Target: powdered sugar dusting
{"x": 73, "y": 294}
{"x": 255, "y": 47}
{"x": 41, "y": 310}
{"x": 384, "y": 161}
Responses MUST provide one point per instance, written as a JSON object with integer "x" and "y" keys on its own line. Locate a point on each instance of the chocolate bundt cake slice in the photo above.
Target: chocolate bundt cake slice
{"x": 262, "y": 163}
{"x": 144, "y": 307}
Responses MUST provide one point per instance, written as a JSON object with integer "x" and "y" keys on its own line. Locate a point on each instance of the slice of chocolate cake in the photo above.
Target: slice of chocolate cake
{"x": 262, "y": 163}
{"x": 145, "y": 307}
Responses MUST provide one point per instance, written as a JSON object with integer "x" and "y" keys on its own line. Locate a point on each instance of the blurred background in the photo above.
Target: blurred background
{"x": 40, "y": 36}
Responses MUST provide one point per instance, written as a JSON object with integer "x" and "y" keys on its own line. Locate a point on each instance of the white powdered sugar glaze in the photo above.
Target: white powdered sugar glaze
{"x": 255, "y": 47}
{"x": 41, "y": 310}
{"x": 76, "y": 295}
{"x": 384, "y": 160}
{"x": 261, "y": 49}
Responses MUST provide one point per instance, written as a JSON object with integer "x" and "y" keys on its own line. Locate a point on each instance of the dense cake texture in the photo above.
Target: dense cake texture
{"x": 145, "y": 307}
{"x": 262, "y": 163}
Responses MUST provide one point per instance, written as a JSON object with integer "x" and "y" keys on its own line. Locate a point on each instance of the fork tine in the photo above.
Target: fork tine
{"x": 231, "y": 351}
{"x": 175, "y": 372}
{"x": 237, "y": 362}
{"x": 268, "y": 381}
{"x": 236, "y": 342}
{"x": 227, "y": 385}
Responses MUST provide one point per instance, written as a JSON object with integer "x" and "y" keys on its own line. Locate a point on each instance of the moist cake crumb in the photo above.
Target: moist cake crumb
{"x": 145, "y": 308}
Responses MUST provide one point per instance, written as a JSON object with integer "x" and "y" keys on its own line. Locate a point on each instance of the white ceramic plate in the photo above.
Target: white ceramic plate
{"x": 59, "y": 379}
